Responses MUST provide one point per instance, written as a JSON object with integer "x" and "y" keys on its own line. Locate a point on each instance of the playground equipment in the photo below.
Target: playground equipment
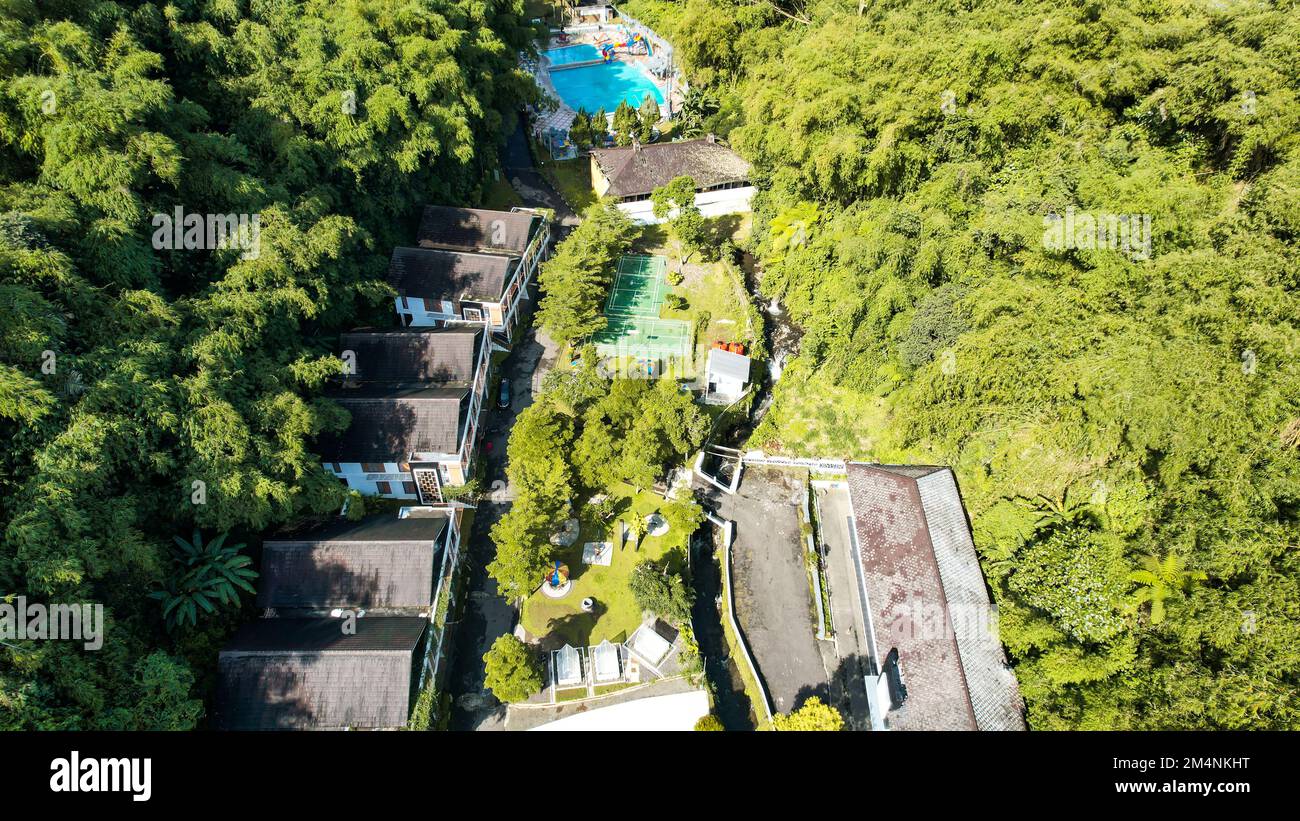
{"x": 556, "y": 584}
{"x": 559, "y": 575}
{"x": 630, "y": 43}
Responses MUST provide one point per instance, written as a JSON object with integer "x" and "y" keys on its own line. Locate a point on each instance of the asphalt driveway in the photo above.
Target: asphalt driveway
{"x": 774, "y": 603}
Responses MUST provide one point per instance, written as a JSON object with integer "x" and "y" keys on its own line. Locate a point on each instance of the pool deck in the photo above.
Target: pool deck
{"x": 563, "y": 116}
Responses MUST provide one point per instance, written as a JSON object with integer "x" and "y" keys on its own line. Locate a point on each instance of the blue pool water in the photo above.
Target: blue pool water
{"x": 604, "y": 86}
{"x": 565, "y": 55}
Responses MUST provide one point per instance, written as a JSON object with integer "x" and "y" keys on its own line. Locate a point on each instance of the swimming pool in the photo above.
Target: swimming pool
{"x": 604, "y": 86}
{"x": 567, "y": 55}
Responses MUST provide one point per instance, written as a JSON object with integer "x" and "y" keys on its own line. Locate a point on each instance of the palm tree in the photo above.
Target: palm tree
{"x": 1051, "y": 512}
{"x": 696, "y": 109}
{"x": 205, "y": 575}
{"x": 1158, "y": 579}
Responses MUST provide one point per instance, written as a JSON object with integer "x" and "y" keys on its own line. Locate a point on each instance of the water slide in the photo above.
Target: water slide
{"x": 629, "y": 40}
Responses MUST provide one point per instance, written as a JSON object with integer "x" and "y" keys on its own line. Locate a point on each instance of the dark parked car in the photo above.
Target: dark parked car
{"x": 503, "y": 394}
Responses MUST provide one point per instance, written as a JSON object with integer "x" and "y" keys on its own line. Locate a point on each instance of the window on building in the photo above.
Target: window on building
{"x": 408, "y": 488}
{"x": 372, "y": 467}
{"x": 472, "y": 314}
{"x": 383, "y": 488}
{"x": 336, "y": 467}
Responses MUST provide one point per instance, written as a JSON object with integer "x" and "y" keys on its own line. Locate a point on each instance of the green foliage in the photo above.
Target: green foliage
{"x": 1159, "y": 579}
{"x": 708, "y": 724}
{"x": 661, "y": 592}
{"x": 677, "y": 199}
{"x": 513, "y": 670}
{"x": 647, "y": 116}
{"x": 542, "y": 480}
{"x": 577, "y": 278}
{"x": 580, "y": 129}
{"x": 935, "y": 326}
{"x": 598, "y": 126}
{"x": 633, "y": 431}
{"x": 920, "y": 148}
{"x": 421, "y": 719}
{"x": 181, "y": 388}
{"x": 684, "y": 515}
{"x": 1078, "y": 579}
{"x": 812, "y": 716}
{"x": 626, "y": 124}
{"x": 204, "y": 576}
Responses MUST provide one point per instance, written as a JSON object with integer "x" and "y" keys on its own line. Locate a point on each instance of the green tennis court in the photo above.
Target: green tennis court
{"x": 639, "y": 287}
{"x": 667, "y": 341}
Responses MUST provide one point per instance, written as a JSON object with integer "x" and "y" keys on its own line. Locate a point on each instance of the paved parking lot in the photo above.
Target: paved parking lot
{"x": 773, "y": 599}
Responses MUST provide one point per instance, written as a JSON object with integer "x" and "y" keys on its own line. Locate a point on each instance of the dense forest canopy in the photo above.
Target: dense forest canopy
{"x": 147, "y": 391}
{"x": 1123, "y": 416}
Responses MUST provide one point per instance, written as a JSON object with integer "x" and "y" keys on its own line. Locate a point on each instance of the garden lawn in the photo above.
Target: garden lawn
{"x": 718, "y": 308}
{"x": 616, "y": 614}
{"x": 572, "y": 179}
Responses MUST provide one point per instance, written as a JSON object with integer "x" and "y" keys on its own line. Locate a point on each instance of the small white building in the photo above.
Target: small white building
{"x": 728, "y": 373}
{"x": 590, "y": 13}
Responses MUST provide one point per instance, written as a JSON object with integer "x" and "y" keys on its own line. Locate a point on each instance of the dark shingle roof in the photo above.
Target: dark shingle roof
{"x": 918, "y": 558}
{"x": 476, "y": 229}
{"x": 450, "y": 275}
{"x": 389, "y": 423}
{"x": 443, "y": 355}
{"x": 307, "y": 674}
{"x": 379, "y": 562}
{"x": 634, "y": 171}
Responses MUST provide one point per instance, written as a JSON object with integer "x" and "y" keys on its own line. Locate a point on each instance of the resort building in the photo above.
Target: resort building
{"x": 471, "y": 265}
{"x": 311, "y": 674}
{"x": 354, "y": 622}
{"x": 404, "y": 441}
{"x": 631, "y": 174}
{"x": 589, "y": 13}
{"x": 382, "y": 565}
{"x": 936, "y": 660}
{"x": 415, "y": 396}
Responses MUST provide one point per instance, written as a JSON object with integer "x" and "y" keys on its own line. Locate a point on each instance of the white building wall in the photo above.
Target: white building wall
{"x": 710, "y": 203}
{"x": 367, "y": 483}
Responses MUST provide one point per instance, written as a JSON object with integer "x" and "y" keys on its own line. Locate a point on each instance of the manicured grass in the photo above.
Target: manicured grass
{"x": 616, "y": 614}
{"x": 614, "y": 688}
{"x": 572, "y": 178}
{"x": 713, "y": 288}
